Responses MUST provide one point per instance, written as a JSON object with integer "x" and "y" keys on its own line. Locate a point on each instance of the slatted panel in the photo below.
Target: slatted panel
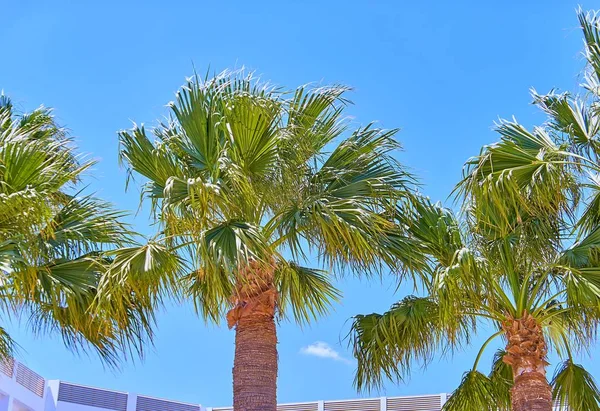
{"x": 30, "y": 380}
{"x": 155, "y": 404}
{"x": 93, "y": 397}
{"x": 373, "y": 404}
{"x": 420, "y": 403}
{"x": 7, "y": 367}
{"x": 305, "y": 406}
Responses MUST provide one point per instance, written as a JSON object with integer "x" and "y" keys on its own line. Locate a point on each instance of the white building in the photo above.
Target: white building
{"x": 21, "y": 389}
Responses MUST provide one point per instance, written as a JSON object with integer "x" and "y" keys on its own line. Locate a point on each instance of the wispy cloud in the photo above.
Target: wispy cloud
{"x": 323, "y": 350}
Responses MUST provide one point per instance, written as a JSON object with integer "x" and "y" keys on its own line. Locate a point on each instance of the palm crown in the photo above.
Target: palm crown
{"x": 244, "y": 189}
{"x": 58, "y": 246}
{"x": 239, "y": 174}
{"x": 523, "y": 257}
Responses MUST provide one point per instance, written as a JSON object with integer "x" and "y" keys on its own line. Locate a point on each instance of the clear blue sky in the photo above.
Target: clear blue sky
{"x": 442, "y": 71}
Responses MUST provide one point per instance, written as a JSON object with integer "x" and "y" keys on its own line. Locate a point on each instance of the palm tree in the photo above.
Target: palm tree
{"x": 244, "y": 190}
{"x": 59, "y": 248}
{"x": 523, "y": 258}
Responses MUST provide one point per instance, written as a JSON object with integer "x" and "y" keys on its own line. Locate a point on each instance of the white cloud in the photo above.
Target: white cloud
{"x": 323, "y": 350}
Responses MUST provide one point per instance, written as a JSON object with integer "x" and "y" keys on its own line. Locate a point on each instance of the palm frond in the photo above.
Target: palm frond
{"x": 211, "y": 292}
{"x": 436, "y": 228}
{"x": 526, "y": 174}
{"x": 386, "y": 345}
{"x": 590, "y": 216}
{"x": 575, "y": 387}
{"x": 200, "y": 132}
{"x": 314, "y": 119}
{"x": 53, "y": 244}
{"x": 82, "y": 225}
{"x": 475, "y": 392}
{"x": 7, "y": 345}
{"x": 306, "y": 292}
{"x": 145, "y": 272}
{"x": 232, "y": 244}
{"x": 346, "y": 205}
{"x": 154, "y": 162}
{"x": 572, "y": 117}
{"x": 253, "y": 122}
{"x": 501, "y": 379}
{"x": 591, "y": 33}
{"x": 239, "y": 174}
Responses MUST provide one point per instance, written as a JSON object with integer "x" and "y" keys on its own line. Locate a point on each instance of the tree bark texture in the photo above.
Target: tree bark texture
{"x": 526, "y": 354}
{"x": 255, "y": 363}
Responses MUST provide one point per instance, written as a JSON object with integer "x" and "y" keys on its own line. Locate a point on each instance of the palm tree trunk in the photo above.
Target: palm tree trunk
{"x": 255, "y": 364}
{"x": 526, "y": 353}
{"x": 531, "y": 392}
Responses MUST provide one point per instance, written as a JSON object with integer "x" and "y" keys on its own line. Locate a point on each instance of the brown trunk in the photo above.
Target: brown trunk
{"x": 531, "y": 392}
{"x": 255, "y": 362}
{"x": 526, "y": 354}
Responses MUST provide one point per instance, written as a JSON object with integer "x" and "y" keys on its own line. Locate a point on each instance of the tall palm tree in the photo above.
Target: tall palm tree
{"x": 244, "y": 189}
{"x": 524, "y": 258}
{"x": 58, "y": 247}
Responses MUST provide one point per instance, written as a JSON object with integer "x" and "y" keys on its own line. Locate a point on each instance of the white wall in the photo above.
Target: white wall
{"x": 27, "y": 400}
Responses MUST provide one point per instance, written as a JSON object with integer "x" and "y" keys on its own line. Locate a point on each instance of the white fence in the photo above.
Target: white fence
{"x": 24, "y": 376}
{"x": 69, "y": 396}
{"x": 412, "y": 403}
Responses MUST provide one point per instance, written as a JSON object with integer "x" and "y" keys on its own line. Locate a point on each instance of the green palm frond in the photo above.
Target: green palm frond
{"x": 475, "y": 392}
{"x": 84, "y": 329}
{"x": 584, "y": 252}
{"x": 210, "y": 291}
{"x": 253, "y": 124}
{"x": 362, "y": 166}
{"x": 147, "y": 273}
{"x": 590, "y": 216}
{"x": 575, "y": 387}
{"x": 591, "y": 33}
{"x": 69, "y": 300}
{"x": 306, "y": 291}
{"x": 7, "y": 345}
{"x": 153, "y": 162}
{"x": 230, "y": 245}
{"x": 29, "y": 159}
{"x": 437, "y": 229}
{"x": 344, "y": 206}
{"x": 501, "y": 379}
{"x": 55, "y": 246}
{"x": 242, "y": 173}
{"x": 456, "y": 272}
{"x": 572, "y": 117}
{"x": 525, "y": 249}
{"x": 386, "y": 345}
{"x": 582, "y": 288}
{"x": 199, "y": 110}
{"x": 84, "y": 224}
{"x": 524, "y": 174}
{"x": 314, "y": 119}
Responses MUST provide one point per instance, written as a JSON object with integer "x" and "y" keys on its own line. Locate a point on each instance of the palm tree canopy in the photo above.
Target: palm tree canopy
{"x": 526, "y": 246}
{"x": 243, "y": 172}
{"x": 57, "y": 245}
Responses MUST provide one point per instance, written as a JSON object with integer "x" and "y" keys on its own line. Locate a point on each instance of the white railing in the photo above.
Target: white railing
{"x": 122, "y": 401}
{"x": 412, "y": 403}
{"x": 7, "y": 367}
{"x": 30, "y": 380}
{"x": 92, "y": 397}
{"x": 145, "y": 403}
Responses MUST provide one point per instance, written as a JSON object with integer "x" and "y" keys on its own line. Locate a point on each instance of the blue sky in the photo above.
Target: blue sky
{"x": 441, "y": 71}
